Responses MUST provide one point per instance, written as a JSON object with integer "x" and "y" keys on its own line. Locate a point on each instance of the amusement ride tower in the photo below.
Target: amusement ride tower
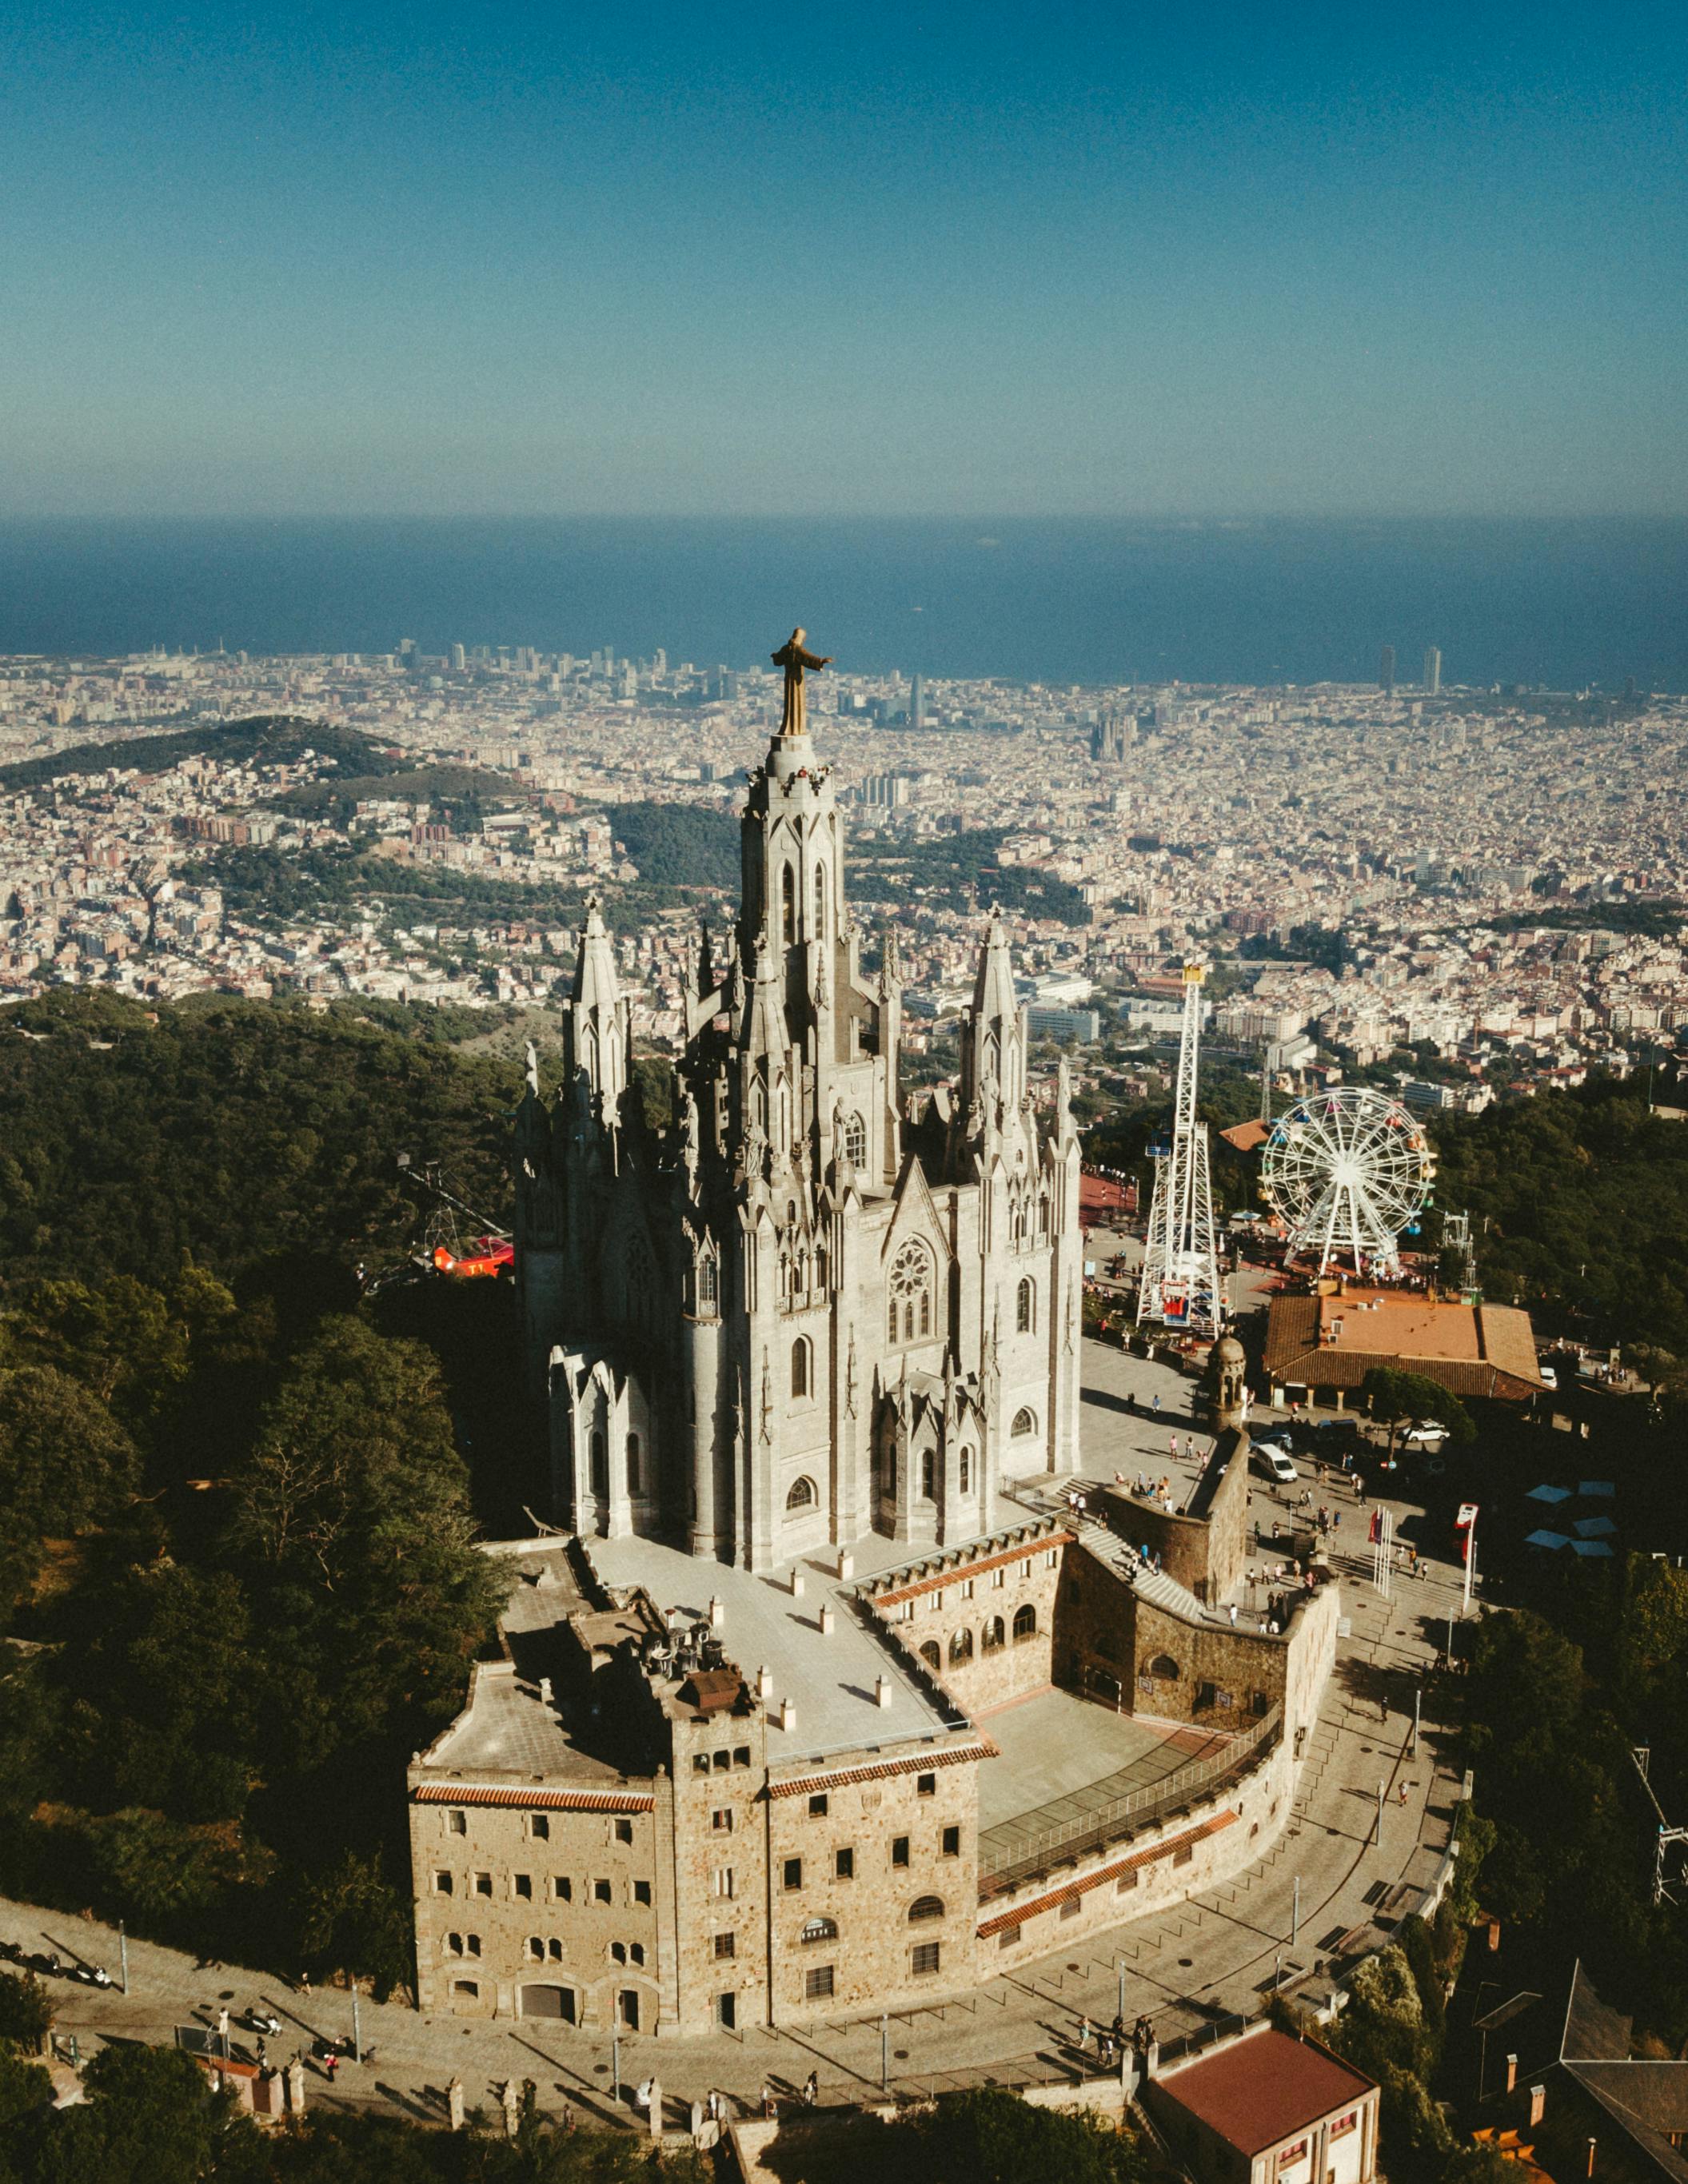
{"x": 1180, "y": 1286}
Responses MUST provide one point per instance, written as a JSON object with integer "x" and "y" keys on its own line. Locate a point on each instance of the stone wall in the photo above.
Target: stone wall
{"x": 1205, "y": 1547}
{"x": 981, "y": 1620}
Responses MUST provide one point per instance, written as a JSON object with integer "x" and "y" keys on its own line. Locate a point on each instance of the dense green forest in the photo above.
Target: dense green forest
{"x": 270, "y": 739}
{"x": 237, "y": 1504}
{"x": 961, "y": 872}
{"x": 1580, "y": 1201}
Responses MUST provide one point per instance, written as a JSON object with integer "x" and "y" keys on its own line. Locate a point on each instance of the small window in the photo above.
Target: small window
{"x": 960, "y": 1647}
{"x": 802, "y": 1495}
{"x": 1024, "y": 1422}
{"x": 741, "y": 1755}
{"x": 993, "y": 1635}
{"x": 818, "y": 1806}
{"x": 562, "y": 1888}
{"x": 818, "y": 1930}
{"x": 925, "y": 1958}
{"x": 536, "y": 1948}
{"x": 600, "y": 1464}
{"x": 791, "y": 1873}
{"x": 721, "y": 1819}
{"x": 539, "y": 1826}
{"x": 855, "y": 1140}
{"x": 818, "y": 1983}
{"x": 723, "y": 1760}
{"x": 899, "y": 1850}
{"x": 442, "y": 1883}
{"x": 964, "y": 1482}
{"x": 800, "y": 1375}
{"x": 1025, "y": 1622}
{"x": 619, "y": 1952}
{"x": 483, "y": 1884}
{"x": 924, "y": 1907}
{"x": 952, "y": 1842}
{"x": 931, "y": 1654}
{"x": 726, "y": 1944}
{"x": 602, "y": 1892}
{"x": 457, "y": 1823}
{"x": 454, "y": 1945}
{"x": 634, "y": 1480}
{"x": 929, "y": 1476}
{"x": 925, "y": 1785}
{"x": 469, "y": 1989}
{"x": 641, "y": 1892}
{"x": 554, "y": 1950}
{"x": 723, "y": 1881}
{"x": 522, "y": 1883}
{"x": 636, "y": 1951}
{"x": 844, "y": 1864}
{"x": 474, "y": 1942}
{"x": 700, "y": 1762}
{"x": 1164, "y": 1666}
{"x": 1026, "y": 1308}
{"x": 623, "y": 1831}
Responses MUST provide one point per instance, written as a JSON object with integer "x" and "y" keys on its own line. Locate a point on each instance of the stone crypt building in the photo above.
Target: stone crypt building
{"x": 805, "y": 1311}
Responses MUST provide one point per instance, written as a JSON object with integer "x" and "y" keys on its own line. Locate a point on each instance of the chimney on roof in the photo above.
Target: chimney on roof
{"x": 788, "y": 1714}
{"x": 882, "y": 1690}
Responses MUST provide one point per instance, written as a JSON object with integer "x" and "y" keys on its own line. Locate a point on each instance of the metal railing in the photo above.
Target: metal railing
{"x": 1003, "y": 1870}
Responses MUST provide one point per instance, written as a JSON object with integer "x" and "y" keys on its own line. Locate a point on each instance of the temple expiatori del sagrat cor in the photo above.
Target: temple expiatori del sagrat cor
{"x": 809, "y": 1359}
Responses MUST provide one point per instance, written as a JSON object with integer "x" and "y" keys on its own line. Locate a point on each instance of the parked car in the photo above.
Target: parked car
{"x": 1424, "y": 1432}
{"x": 1550, "y": 1379}
{"x": 1278, "y": 1464}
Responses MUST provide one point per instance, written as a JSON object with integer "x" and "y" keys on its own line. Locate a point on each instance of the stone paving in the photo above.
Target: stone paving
{"x": 1327, "y": 1879}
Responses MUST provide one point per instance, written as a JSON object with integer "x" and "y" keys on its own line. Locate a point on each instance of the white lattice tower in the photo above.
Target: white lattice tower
{"x": 1181, "y": 1261}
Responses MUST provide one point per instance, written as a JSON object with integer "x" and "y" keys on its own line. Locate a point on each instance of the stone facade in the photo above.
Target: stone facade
{"x": 804, "y": 1310}
{"x": 980, "y": 1621}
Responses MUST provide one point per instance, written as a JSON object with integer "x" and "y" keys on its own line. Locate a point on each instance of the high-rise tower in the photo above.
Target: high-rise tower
{"x": 1433, "y": 670}
{"x": 1386, "y": 670}
{"x": 1180, "y": 1286}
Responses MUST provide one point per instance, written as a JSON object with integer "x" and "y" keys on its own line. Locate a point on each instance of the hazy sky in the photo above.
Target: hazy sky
{"x": 1037, "y": 259}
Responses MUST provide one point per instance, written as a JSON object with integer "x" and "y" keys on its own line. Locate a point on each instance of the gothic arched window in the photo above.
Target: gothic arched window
{"x": 929, "y": 1476}
{"x": 1024, "y": 1422}
{"x": 911, "y": 1293}
{"x": 802, "y": 1495}
{"x": 964, "y": 1473}
{"x": 706, "y": 1283}
{"x": 1025, "y": 1622}
{"x": 1025, "y": 1305}
{"x": 820, "y": 902}
{"x": 855, "y": 1140}
{"x": 802, "y": 1375}
{"x": 961, "y": 1646}
{"x": 993, "y": 1635}
{"x": 600, "y": 1464}
{"x": 788, "y": 898}
{"x": 924, "y": 1907}
{"x": 634, "y": 1465}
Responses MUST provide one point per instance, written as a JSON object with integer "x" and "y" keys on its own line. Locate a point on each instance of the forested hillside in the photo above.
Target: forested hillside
{"x": 238, "y": 1505}
{"x": 1580, "y": 1201}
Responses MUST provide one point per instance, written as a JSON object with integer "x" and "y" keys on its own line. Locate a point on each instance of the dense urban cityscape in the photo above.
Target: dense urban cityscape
{"x": 1469, "y": 889}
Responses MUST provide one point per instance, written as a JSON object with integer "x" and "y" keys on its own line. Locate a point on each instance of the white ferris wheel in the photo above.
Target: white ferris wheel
{"x": 1348, "y": 1172}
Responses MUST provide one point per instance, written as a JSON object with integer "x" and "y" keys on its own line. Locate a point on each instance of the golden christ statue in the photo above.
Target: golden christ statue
{"x": 794, "y": 660}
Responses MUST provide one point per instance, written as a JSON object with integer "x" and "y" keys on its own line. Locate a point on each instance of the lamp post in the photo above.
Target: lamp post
{"x": 615, "y": 2069}
{"x": 1295, "y": 1913}
{"x": 123, "y": 1953}
{"x": 1120, "y": 2007}
{"x": 884, "y": 2052}
{"x": 357, "y": 2025}
{"x": 1379, "y": 1837}
{"x": 1591, "y": 2148}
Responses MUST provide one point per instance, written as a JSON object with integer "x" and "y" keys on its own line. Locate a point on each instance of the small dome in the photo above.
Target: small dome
{"x": 1229, "y": 1350}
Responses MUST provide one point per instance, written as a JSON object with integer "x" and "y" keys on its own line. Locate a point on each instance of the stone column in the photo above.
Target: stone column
{"x": 454, "y": 2103}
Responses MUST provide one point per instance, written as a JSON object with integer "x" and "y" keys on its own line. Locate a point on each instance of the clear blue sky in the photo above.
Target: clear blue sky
{"x": 1032, "y": 259}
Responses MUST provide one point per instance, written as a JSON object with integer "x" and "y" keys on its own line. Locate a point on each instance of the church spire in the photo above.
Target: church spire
{"x": 596, "y": 1021}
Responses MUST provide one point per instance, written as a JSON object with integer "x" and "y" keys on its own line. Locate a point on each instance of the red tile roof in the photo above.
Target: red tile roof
{"x": 536, "y": 1797}
{"x": 876, "y": 1770}
{"x": 959, "y": 1572}
{"x": 1259, "y": 2091}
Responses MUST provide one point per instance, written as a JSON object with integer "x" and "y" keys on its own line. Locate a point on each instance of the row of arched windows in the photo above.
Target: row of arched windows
{"x": 826, "y": 1929}
{"x": 992, "y": 1639}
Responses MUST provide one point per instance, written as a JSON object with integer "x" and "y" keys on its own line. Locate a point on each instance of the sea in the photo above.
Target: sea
{"x": 1554, "y": 605}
